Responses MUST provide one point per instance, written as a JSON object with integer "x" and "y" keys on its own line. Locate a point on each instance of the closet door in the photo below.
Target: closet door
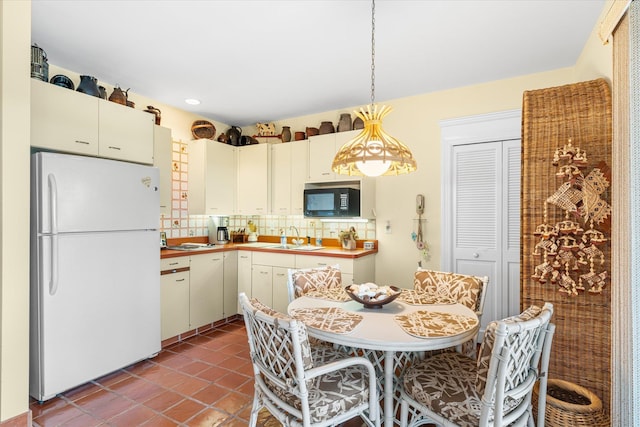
{"x": 486, "y": 221}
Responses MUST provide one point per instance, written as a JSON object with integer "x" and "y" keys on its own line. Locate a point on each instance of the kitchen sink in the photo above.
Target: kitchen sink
{"x": 296, "y": 248}
{"x": 191, "y": 247}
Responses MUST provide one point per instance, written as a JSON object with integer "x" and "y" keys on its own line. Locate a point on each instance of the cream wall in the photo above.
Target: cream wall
{"x": 15, "y": 41}
{"x": 415, "y": 121}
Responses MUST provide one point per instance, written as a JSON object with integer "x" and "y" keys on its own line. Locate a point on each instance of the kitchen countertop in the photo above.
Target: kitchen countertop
{"x": 331, "y": 251}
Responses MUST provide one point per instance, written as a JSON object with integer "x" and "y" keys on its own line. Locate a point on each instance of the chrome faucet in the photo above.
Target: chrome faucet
{"x": 297, "y": 241}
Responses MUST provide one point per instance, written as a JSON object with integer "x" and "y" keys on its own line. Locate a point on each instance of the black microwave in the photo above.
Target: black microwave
{"x": 332, "y": 202}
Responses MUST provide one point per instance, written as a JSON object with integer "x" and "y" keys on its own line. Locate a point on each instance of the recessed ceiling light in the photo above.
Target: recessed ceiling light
{"x": 192, "y": 101}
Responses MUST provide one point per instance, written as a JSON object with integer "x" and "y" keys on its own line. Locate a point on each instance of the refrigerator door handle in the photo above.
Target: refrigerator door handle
{"x": 53, "y": 282}
{"x": 53, "y": 203}
{"x": 53, "y": 215}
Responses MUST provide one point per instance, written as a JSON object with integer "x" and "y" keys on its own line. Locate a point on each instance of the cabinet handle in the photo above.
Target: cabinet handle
{"x": 82, "y": 142}
{"x": 111, "y": 147}
{"x": 264, "y": 272}
{"x": 280, "y": 274}
{"x": 326, "y": 173}
{"x": 173, "y": 263}
{"x": 180, "y": 280}
{"x": 322, "y": 263}
{"x": 476, "y": 255}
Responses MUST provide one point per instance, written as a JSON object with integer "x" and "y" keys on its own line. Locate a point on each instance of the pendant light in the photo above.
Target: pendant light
{"x": 373, "y": 152}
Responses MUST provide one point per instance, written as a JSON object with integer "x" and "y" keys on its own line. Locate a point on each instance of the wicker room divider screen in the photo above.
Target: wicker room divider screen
{"x": 566, "y": 160}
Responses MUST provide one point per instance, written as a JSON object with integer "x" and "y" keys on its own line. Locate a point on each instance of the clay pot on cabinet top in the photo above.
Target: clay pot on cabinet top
{"x": 299, "y": 136}
{"x": 345, "y": 122}
{"x": 286, "y": 134}
{"x": 358, "y": 123}
{"x": 326, "y": 127}
{"x": 312, "y": 132}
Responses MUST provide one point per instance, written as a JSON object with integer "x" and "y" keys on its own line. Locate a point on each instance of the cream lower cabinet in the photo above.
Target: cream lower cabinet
{"x": 353, "y": 270}
{"x": 174, "y": 296}
{"x": 269, "y": 278}
{"x": 244, "y": 274}
{"x": 206, "y": 294}
{"x": 230, "y": 305}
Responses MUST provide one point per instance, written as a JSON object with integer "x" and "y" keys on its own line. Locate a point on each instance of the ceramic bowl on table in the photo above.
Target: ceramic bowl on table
{"x": 371, "y": 295}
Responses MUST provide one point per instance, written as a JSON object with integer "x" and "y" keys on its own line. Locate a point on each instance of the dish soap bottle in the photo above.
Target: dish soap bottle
{"x": 283, "y": 238}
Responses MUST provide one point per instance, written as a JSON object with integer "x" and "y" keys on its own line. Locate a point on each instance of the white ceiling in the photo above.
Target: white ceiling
{"x": 260, "y": 60}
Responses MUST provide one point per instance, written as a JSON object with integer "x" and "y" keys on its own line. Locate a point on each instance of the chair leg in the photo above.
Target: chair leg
{"x": 404, "y": 413}
{"x": 255, "y": 409}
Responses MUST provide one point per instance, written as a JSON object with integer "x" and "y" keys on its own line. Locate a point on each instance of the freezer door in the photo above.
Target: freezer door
{"x": 102, "y": 315}
{"x": 77, "y": 194}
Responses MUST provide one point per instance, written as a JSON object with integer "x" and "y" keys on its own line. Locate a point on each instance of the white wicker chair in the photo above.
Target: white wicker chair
{"x": 300, "y": 384}
{"x": 451, "y": 389}
{"x": 302, "y": 280}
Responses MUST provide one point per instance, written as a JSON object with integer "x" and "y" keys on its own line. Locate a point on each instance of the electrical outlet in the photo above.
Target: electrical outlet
{"x": 387, "y": 228}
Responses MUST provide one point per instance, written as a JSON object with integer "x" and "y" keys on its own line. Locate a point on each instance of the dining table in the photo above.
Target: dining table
{"x": 391, "y": 336}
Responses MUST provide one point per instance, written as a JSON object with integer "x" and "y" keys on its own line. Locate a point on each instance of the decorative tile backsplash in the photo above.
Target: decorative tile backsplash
{"x": 181, "y": 224}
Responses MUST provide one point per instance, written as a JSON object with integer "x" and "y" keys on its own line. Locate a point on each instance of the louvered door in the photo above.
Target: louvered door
{"x": 486, "y": 220}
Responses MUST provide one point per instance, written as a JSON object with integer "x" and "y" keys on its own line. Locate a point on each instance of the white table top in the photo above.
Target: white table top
{"x": 379, "y": 330}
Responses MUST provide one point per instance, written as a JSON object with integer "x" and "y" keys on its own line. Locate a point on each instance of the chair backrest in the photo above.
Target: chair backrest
{"x": 300, "y": 281}
{"x": 513, "y": 355}
{"x": 465, "y": 289}
{"x": 280, "y": 350}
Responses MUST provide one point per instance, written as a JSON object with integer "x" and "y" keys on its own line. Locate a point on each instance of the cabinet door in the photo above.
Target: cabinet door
{"x": 281, "y": 171}
{"x": 230, "y": 306}
{"x": 244, "y": 274}
{"x": 206, "y": 296}
{"x": 254, "y": 188}
{"x": 322, "y": 150}
{"x": 125, "y": 133}
{"x": 220, "y": 184}
{"x": 174, "y": 304}
{"x": 162, "y": 160}
{"x": 63, "y": 120}
{"x": 299, "y": 174}
{"x": 262, "y": 284}
{"x": 279, "y": 293}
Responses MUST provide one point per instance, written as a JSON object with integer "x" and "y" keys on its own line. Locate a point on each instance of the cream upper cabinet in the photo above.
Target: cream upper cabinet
{"x": 254, "y": 180}
{"x": 281, "y": 171}
{"x": 162, "y": 152}
{"x": 125, "y": 133}
{"x": 299, "y": 174}
{"x": 212, "y": 178}
{"x": 322, "y": 150}
{"x": 207, "y": 289}
{"x": 73, "y": 122}
{"x": 63, "y": 120}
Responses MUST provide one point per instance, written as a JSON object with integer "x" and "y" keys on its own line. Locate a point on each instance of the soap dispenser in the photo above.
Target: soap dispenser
{"x": 283, "y": 238}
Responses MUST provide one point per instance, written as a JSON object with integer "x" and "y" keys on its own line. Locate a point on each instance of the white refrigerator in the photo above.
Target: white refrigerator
{"x": 95, "y": 269}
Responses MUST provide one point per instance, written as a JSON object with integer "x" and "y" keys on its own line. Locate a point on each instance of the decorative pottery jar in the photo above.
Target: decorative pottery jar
{"x": 286, "y": 134}
{"x": 326, "y": 127}
{"x": 345, "y": 122}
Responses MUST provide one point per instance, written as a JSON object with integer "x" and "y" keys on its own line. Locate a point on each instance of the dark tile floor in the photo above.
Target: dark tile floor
{"x": 206, "y": 380}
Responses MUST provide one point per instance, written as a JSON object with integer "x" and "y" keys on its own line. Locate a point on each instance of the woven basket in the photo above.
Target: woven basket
{"x": 570, "y": 405}
{"x": 203, "y": 129}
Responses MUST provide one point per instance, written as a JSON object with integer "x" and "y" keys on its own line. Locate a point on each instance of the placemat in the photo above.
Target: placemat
{"x": 413, "y": 297}
{"x": 433, "y": 324}
{"x": 330, "y": 319}
{"x": 331, "y": 294}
